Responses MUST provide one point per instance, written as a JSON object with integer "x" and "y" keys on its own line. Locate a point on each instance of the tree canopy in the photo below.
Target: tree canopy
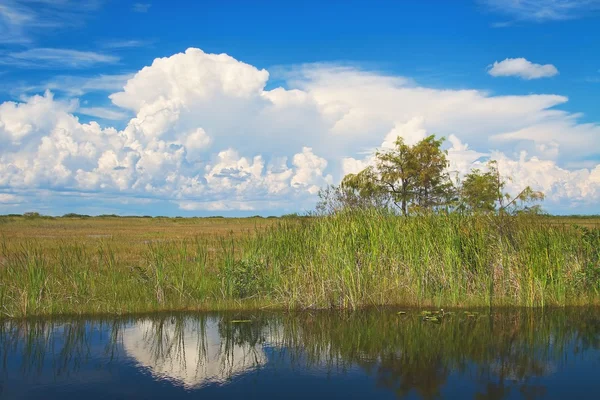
{"x": 415, "y": 178}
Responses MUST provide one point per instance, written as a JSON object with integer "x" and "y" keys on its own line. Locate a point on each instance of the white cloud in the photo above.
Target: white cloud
{"x": 309, "y": 171}
{"x": 543, "y": 10}
{"x": 41, "y": 58}
{"x": 522, "y": 68}
{"x": 193, "y": 75}
{"x": 207, "y": 135}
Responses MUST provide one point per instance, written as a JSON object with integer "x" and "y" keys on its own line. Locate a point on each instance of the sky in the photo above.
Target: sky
{"x": 242, "y": 108}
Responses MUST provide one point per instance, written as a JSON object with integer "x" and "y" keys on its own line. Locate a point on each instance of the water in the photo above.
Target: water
{"x": 368, "y": 354}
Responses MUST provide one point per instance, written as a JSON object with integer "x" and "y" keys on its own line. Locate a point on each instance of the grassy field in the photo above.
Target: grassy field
{"x": 52, "y": 266}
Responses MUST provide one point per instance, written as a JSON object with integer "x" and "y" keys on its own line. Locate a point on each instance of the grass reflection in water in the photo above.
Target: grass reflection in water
{"x": 403, "y": 352}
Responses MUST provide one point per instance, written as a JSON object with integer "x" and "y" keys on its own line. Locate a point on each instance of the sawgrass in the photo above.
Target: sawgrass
{"x": 348, "y": 260}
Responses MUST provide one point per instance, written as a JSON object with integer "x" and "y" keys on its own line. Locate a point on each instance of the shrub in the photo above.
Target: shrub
{"x": 245, "y": 278}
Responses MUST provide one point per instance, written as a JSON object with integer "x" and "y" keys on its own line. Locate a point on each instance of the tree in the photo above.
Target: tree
{"x": 415, "y": 179}
{"x": 483, "y": 192}
{"x": 480, "y": 190}
{"x": 397, "y": 174}
{"x": 357, "y": 191}
{"x": 409, "y": 177}
{"x": 433, "y": 187}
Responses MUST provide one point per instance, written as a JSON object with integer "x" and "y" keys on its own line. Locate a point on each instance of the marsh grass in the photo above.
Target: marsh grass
{"x": 356, "y": 259}
{"x": 348, "y": 260}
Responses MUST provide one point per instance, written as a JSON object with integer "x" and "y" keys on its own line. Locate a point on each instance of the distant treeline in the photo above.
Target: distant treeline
{"x": 33, "y": 215}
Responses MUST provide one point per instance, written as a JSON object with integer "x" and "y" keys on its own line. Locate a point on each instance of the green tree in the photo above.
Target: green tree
{"x": 415, "y": 179}
{"x": 484, "y": 191}
{"x": 409, "y": 177}
{"x": 480, "y": 190}
{"x": 433, "y": 187}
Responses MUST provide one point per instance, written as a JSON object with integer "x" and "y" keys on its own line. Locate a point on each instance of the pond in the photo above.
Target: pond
{"x": 387, "y": 354}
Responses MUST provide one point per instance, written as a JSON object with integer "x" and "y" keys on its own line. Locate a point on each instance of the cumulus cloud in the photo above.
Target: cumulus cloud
{"x": 207, "y": 135}
{"x": 522, "y": 68}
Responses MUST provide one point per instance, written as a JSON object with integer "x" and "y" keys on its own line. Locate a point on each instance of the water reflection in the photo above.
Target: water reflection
{"x": 190, "y": 351}
{"x": 498, "y": 355}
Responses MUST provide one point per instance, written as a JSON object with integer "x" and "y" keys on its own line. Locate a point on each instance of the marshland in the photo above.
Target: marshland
{"x": 401, "y": 232}
{"x": 111, "y": 265}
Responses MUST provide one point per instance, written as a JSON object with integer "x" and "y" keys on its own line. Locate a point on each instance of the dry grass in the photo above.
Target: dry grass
{"x": 128, "y": 237}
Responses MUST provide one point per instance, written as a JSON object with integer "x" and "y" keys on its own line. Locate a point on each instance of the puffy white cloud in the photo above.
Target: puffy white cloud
{"x": 570, "y": 187}
{"x": 38, "y": 116}
{"x": 309, "y": 171}
{"x": 207, "y": 135}
{"x": 522, "y": 68}
{"x": 191, "y": 76}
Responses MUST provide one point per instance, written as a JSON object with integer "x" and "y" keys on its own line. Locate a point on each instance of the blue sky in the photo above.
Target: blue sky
{"x": 276, "y": 99}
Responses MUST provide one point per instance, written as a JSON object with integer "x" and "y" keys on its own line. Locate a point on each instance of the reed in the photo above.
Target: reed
{"x": 350, "y": 260}
{"x": 347, "y": 260}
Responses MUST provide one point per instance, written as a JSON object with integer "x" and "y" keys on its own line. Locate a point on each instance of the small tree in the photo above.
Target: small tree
{"x": 409, "y": 177}
{"x": 480, "y": 190}
{"x": 415, "y": 179}
{"x": 483, "y": 192}
{"x": 433, "y": 187}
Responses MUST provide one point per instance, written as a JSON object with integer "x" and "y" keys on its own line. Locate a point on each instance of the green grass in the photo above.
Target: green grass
{"x": 349, "y": 260}
{"x": 371, "y": 258}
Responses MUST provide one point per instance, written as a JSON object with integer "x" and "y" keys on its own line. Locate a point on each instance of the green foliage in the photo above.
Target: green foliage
{"x": 245, "y": 278}
{"x": 32, "y": 215}
{"x": 371, "y": 257}
{"x": 480, "y": 190}
{"x": 590, "y": 248}
{"x": 411, "y": 178}
{"x": 291, "y": 215}
{"x": 74, "y": 215}
{"x": 414, "y": 180}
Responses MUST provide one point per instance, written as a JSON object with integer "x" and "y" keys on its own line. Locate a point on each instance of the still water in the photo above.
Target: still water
{"x": 374, "y": 354}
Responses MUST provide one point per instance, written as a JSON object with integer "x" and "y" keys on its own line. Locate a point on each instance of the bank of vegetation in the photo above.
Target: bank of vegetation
{"x": 403, "y": 231}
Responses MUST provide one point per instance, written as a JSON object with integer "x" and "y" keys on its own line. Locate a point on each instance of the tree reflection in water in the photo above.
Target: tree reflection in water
{"x": 497, "y": 353}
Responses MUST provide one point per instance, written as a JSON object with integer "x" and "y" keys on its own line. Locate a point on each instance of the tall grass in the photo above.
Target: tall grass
{"x": 347, "y": 260}
{"x": 373, "y": 258}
